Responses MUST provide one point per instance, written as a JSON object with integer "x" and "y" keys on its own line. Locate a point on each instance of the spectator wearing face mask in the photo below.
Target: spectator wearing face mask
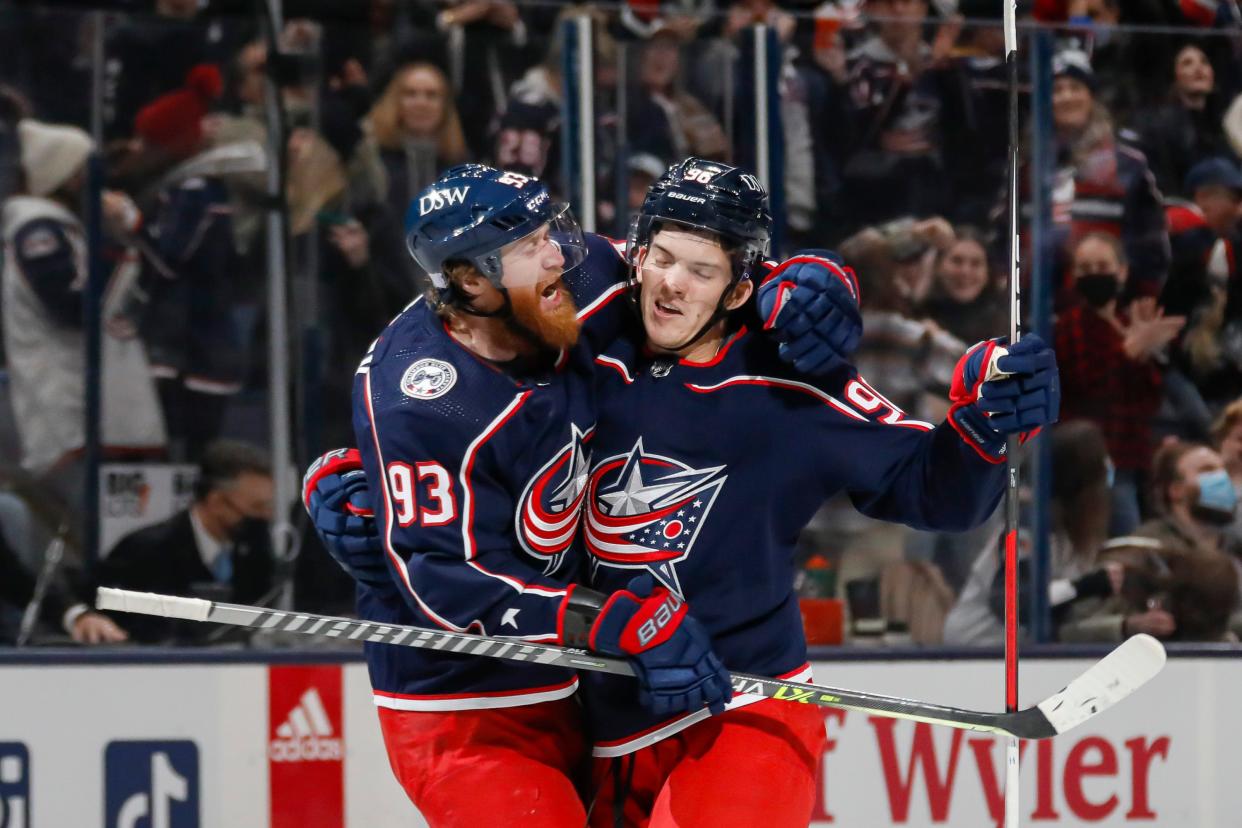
{"x": 1110, "y": 369}
{"x": 1194, "y": 498}
{"x": 1195, "y": 501}
{"x": 217, "y": 546}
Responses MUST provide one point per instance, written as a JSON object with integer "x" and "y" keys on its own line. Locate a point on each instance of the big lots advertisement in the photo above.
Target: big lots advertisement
{"x": 147, "y": 745}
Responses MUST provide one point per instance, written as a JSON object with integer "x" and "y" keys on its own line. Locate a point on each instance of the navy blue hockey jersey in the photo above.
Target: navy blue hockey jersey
{"x": 478, "y": 475}
{"x": 704, "y": 474}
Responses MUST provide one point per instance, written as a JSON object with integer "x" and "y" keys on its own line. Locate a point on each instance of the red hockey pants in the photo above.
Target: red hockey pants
{"x": 512, "y": 766}
{"x": 756, "y": 765}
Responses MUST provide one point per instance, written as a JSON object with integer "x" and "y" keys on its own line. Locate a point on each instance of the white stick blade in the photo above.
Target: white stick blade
{"x": 150, "y": 603}
{"x": 1110, "y": 680}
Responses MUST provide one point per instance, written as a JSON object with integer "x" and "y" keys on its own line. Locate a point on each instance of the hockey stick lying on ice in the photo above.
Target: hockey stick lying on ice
{"x": 1107, "y": 682}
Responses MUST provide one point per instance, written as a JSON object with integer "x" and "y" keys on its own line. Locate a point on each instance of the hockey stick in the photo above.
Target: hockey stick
{"x": 1012, "y": 461}
{"x": 1107, "y": 682}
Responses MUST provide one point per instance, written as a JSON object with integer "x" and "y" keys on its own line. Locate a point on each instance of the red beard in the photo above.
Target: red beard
{"x": 557, "y": 328}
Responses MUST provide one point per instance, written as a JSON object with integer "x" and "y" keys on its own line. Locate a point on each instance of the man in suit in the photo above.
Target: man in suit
{"x": 217, "y": 548}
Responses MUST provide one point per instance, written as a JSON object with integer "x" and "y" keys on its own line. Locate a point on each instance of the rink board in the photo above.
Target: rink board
{"x": 184, "y": 745}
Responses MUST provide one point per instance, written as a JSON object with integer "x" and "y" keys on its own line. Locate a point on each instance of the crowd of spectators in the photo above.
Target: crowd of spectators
{"x": 893, "y": 129}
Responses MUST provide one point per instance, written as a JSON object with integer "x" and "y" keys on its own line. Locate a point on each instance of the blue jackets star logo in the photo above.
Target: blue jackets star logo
{"x": 548, "y": 513}
{"x": 645, "y": 511}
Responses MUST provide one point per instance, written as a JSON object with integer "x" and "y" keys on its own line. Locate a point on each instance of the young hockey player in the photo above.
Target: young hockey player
{"x": 710, "y": 455}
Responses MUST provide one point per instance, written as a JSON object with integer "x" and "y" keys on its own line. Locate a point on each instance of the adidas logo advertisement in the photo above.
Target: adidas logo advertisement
{"x": 305, "y": 746}
{"x": 306, "y": 734}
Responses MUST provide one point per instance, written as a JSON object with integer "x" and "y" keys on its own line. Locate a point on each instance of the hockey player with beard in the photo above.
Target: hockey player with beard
{"x": 465, "y": 407}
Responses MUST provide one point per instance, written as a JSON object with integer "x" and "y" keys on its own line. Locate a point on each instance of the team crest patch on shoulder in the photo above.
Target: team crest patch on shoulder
{"x": 428, "y": 379}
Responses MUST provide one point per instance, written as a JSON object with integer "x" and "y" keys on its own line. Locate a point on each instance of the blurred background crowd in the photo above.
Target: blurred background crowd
{"x": 890, "y": 147}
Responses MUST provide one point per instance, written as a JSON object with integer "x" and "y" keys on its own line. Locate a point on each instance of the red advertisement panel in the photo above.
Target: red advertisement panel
{"x": 305, "y": 751}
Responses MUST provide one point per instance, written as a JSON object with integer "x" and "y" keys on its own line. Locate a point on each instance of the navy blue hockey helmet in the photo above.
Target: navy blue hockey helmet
{"x": 710, "y": 196}
{"x": 473, "y": 211}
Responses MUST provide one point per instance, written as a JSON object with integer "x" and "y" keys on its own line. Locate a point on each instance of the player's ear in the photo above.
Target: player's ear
{"x": 471, "y": 282}
{"x": 741, "y": 292}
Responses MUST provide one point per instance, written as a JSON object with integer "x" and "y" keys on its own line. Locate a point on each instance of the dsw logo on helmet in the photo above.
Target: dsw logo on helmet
{"x": 437, "y": 199}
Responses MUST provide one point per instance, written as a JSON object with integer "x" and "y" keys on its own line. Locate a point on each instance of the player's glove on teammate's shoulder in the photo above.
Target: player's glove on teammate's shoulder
{"x": 999, "y": 391}
{"x": 670, "y": 651}
{"x": 335, "y": 493}
{"x": 809, "y": 303}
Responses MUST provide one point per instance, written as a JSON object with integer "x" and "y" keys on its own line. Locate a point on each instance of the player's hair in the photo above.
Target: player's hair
{"x": 1229, "y": 419}
{"x": 454, "y": 270}
{"x": 384, "y": 118}
{"x": 226, "y": 460}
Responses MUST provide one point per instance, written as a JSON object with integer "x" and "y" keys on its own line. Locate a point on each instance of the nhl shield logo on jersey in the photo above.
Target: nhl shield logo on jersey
{"x": 646, "y": 510}
{"x": 428, "y": 379}
{"x": 551, "y": 507}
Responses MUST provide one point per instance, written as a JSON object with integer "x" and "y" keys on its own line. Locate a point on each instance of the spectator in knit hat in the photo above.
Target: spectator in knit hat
{"x": 1099, "y": 185}
{"x": 43, "y": 279}
{"x": 197, "y": 351}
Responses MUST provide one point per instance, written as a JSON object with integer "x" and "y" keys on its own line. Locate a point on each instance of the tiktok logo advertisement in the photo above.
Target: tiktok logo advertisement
{"x": 306, "y": 746}
{"x": 14, "y": 785}
{"x": 151, "y": 785}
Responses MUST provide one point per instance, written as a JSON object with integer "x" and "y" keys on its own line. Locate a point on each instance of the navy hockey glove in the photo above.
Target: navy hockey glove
{"x": 338, "y": 501}
{"x": 670, "y": 651}
{"x": 998, "y": 392}
{"x": 810, "y": 304}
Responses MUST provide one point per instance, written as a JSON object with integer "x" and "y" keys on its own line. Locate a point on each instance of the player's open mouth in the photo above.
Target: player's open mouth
{"x": 666, "y": 310}
{"x": 550, "y": 296}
